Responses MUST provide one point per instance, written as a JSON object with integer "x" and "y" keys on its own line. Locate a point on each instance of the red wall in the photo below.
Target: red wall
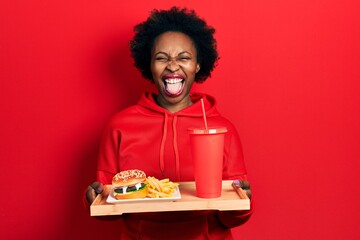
{"x": 288, "y": 78}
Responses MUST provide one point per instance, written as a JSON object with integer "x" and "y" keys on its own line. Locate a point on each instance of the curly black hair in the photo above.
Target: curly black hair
{"x": 176, "y": 20}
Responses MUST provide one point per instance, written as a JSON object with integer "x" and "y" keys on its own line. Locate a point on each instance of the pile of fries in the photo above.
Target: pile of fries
{"x": 163, "y": 188}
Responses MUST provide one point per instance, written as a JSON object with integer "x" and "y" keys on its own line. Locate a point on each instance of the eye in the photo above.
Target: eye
{"x": 161, "y": 59}
{"x": 184, "y": 59}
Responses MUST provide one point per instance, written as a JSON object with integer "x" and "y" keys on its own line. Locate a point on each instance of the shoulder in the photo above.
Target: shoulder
{"x": 124, "y": 116}
{"x": 223, "y": 121}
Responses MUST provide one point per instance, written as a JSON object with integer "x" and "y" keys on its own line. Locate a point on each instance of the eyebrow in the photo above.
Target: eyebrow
{"x": 183, "y": 52}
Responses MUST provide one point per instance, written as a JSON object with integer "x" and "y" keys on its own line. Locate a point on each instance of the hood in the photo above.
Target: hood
{"x": 149, "y": 106}
{"x": 147, "y": 101}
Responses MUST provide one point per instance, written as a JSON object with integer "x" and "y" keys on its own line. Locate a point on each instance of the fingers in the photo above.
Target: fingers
{"x": 93, "y": 190}
{"x": 245, "y": 185}
{"x": 242, "y": 183}
{"x": 98, "y": 187}
{"x": 90, "y": 194}
{"x": 248, "y": 193}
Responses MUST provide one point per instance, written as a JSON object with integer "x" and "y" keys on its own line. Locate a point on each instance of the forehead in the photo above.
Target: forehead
{"x": 173, "y": 42}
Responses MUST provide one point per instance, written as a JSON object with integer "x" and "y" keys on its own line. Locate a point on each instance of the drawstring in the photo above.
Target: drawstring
{"x": 177, "y": 161}
{"x": 175, "y": 144}
{"x": 162, "y": 146}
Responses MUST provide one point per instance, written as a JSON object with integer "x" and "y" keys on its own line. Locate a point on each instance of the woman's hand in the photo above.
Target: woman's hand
{"x": 245, "y": 185}
{"x": 93, "y": 190}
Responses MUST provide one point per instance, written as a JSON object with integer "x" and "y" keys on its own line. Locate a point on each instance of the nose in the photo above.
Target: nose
{"x": 173, "y": 65}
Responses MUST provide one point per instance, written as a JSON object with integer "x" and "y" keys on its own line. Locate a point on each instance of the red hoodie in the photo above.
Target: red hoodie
{"x": 148, "y": 137}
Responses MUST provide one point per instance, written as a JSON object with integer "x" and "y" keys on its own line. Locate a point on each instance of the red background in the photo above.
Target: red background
{"x": 288, "y": 78}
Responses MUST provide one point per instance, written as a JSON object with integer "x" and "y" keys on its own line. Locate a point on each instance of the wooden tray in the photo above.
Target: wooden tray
{"x": 231, "y": 199}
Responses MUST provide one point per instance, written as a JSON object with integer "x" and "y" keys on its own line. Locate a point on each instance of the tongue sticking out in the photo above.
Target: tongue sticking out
{"x": 174, "y": 88}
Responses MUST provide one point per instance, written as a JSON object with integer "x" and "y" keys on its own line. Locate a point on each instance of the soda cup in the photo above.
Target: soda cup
{"x": 207, "y": 150}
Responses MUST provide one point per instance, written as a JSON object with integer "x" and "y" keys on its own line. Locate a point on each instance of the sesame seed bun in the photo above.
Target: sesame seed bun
{"x": 128, "y": 178}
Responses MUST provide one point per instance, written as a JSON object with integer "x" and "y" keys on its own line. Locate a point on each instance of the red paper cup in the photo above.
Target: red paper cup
{"x": 207, "y": 149}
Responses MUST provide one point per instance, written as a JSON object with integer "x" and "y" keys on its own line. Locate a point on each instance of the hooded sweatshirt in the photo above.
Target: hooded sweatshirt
{"x": 148, "y": 137}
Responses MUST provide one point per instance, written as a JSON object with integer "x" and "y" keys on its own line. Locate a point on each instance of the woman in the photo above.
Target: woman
{"x": 173, "y": 49}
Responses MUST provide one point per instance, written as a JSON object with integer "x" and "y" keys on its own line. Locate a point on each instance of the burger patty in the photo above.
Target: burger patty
{"x": 128, "y": 189}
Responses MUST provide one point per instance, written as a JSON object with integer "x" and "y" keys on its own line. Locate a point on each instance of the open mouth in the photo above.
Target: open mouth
{"x": 174, "y": 86}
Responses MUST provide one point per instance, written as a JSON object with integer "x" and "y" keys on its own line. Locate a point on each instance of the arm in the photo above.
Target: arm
{"x": 232, "y": 219}
{"x": 107, "y": 168}
{"x": 234, "y": 168}
{"x": 107, "y": 165}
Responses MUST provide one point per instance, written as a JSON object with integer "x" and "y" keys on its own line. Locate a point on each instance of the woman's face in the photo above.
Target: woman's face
{"x": 173, "y": 66}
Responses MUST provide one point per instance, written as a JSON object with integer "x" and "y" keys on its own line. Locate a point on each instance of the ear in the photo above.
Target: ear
{"x": 197, "y": 68}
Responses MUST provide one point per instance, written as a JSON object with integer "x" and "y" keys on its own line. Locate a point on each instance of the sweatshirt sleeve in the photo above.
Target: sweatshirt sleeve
{"x": 108, "y": 155}
{"x": 107, "y": 163}
{"x": 234, "y": 168}
{"x": 232, "y": 219}
{"x": 106, "y": 160}
{"x": 234, "y": 165}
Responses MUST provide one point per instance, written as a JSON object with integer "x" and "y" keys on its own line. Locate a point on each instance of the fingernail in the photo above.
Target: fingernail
{"x": 237, "y": 182}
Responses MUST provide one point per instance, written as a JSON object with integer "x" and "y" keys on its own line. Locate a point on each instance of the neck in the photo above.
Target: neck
{"x": 174, "y": 107}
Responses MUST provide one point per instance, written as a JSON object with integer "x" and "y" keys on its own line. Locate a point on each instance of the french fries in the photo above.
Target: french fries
{"x": 163, "y": 188}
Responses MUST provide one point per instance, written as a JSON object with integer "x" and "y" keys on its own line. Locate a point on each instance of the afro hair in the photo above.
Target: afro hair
{"x": 175, "y": 20}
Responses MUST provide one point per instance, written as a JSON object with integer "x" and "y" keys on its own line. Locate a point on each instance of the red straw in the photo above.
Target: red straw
{"x": 204, "y": 114}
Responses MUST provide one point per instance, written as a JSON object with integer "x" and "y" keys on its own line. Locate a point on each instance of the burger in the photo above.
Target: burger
{"x": 130, "y": 184}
